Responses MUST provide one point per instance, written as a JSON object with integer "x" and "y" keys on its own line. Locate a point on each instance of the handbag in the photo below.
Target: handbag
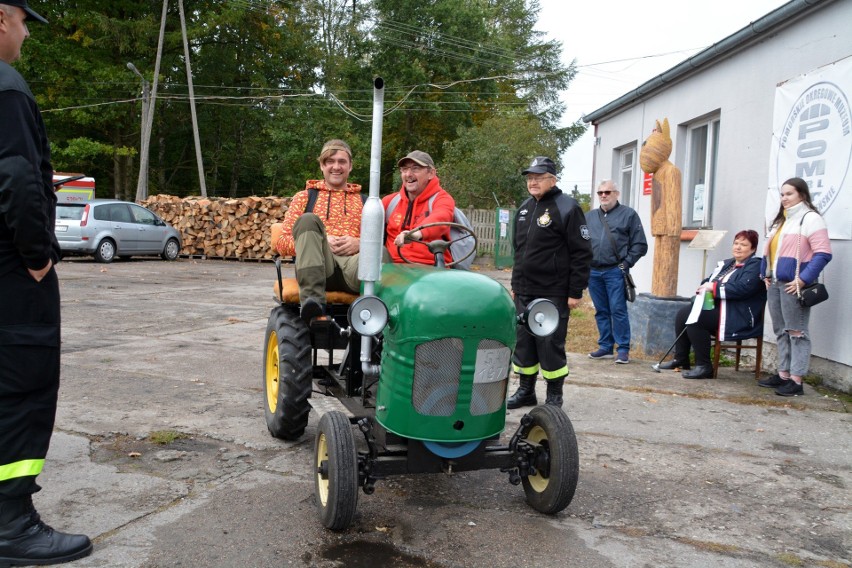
{"x": 814, "y": 294}
{"x": 629, "y": 285}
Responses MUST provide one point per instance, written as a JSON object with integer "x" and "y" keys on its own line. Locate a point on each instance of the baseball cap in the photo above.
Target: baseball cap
{"x": 23, "y": 5}
{"x": 419, "y": 158}
{"x": 541, "y": 165}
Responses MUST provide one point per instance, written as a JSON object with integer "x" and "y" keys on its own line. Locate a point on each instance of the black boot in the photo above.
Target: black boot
{"x": 26, "y": 540}
{"x": 525, "y": 395}
{"x": 554, "y": 391}
{"x": 699, "y": 372}
{"x": 311, "y": 309}
{"x": 676, "y": 363}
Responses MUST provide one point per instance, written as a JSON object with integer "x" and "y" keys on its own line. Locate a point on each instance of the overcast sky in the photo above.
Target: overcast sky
{"x": 620, "y": 45}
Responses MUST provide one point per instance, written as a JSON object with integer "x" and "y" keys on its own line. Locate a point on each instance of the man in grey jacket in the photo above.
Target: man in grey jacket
{"x": 617, "y": 239}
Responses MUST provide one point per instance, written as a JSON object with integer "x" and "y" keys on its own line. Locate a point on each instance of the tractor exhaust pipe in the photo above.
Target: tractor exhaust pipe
{"x": 373, "y": 222}
{"x": 373, "y": 216}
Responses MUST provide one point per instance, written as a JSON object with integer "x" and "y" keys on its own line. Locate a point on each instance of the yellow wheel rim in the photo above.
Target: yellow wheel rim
{"x": 322, "y": 456}
{"x": 537, "y": 482}
{"x": 272, "y": 372}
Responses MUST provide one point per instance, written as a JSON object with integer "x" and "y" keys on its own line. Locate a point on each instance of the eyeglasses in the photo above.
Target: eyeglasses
{"x": 538, "y": 179}
{"x": 412, "y": 169}
{"x": 607, "y": 192}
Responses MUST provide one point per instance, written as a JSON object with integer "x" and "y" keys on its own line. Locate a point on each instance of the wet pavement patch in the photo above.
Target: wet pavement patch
{"x": 364, "y": 554}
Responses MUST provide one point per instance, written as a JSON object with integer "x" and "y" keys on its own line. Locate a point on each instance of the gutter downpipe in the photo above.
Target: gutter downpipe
{"x": 784, "y": 14}
{"x": 372, "y": 223}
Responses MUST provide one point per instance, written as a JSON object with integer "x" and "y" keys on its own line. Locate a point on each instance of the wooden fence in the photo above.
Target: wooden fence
{"x": 484, "y": 223}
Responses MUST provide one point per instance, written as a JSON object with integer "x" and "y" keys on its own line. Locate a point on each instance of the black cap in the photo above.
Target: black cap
{"x": 22, "y": 4}
{"x": 541, "y": 165}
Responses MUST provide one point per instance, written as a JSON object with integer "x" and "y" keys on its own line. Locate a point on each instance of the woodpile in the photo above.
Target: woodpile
{"x": 221, "y": 227}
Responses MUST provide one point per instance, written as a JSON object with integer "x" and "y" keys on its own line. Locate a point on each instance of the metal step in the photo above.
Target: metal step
{"x": 322, "y": 404}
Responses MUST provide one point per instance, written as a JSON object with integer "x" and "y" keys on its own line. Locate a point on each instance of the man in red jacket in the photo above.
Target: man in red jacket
{"x": 420, "y": 184}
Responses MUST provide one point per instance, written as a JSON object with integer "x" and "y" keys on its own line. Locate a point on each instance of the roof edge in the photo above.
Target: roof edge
{"x": 773, "y": 21}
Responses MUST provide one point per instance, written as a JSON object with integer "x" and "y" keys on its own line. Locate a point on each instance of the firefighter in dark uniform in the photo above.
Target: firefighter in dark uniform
{"x": 553, "y": 257}
{"x": 29, "y": 310}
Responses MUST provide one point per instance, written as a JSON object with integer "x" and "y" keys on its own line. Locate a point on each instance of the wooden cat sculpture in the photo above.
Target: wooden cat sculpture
{"x": 666, "y": 209}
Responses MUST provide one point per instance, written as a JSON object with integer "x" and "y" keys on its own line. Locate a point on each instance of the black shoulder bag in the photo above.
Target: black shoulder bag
{"x": 629, "y": 285}
{"x": 814, "y": 294}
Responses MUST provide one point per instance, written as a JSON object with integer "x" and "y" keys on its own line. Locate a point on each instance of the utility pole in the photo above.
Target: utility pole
{"x": 201, "y": 181}
{"x": 142, "y": 191}
{"x": 142, "y": 182}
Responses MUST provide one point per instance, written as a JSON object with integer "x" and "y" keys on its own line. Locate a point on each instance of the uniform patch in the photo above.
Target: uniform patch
{"x": 544, "y": 220}
{"x": 584, "y": 232}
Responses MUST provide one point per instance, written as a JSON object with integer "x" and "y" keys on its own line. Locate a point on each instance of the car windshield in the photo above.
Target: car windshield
{"x": 71, "y": 212}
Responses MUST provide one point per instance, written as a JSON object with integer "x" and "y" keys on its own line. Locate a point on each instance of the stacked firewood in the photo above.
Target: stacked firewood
{"x": 220, "y": 227}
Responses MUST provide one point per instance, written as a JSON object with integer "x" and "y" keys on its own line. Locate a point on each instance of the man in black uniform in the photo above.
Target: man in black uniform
{"x": 552, "y": 260}
{"x": 29, "y": 310}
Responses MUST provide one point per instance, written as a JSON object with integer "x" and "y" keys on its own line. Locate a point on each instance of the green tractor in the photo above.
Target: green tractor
{"x": 419, "y": 365}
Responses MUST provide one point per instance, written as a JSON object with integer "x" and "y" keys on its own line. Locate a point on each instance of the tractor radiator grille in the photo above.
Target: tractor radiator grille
{"x": 437, "y": 369}
{"x": 490, "y": 378}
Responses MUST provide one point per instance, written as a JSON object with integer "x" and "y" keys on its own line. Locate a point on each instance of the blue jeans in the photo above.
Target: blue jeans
{"x": 794, "y": 351}
{"x": 607, "y": 291}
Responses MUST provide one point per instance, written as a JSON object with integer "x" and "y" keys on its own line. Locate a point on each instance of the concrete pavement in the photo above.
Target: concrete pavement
{"x": 672, "y": 472}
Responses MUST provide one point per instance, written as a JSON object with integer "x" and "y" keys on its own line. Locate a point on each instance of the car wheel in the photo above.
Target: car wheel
{"x": 552, "y": 487}
{"x": 335, "y": 471}
{"x": 106, "y": 251}
{"x": 171, "y": 250}
{"x": 287, "y": 375}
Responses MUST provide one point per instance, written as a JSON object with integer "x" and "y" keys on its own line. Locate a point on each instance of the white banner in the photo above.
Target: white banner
{"x": 812, "y": 139}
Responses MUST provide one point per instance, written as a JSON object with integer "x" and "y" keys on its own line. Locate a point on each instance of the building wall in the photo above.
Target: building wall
{"x": 741, "y": 89}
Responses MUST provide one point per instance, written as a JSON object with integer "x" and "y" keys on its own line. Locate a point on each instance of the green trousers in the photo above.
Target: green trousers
{"x": 317, "y": 269}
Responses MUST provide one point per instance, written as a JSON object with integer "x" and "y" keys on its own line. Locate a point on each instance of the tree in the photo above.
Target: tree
{"x": 274, "y": 79}
{"x": 482, "y": 166}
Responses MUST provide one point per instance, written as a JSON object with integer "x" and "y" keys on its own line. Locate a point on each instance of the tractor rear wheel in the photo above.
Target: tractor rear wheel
{"x": 287, "y": 375}
{"x": 335, "y": 471}
{"x": 551, "y": 489}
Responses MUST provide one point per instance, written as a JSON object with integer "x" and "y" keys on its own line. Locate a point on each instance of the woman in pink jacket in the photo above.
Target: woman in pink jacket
{"x": 797, "y": 249}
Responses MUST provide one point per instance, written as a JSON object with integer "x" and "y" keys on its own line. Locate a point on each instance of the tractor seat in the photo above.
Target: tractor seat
{"x": 291, "y": 293}
{"x": 291, "y": 287}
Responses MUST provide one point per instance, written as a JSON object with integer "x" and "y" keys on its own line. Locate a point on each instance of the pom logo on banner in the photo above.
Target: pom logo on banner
{"x": 813, "y": 141}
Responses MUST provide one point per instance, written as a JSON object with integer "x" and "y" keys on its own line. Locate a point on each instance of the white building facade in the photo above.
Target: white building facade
{"x": 767, "y": 103}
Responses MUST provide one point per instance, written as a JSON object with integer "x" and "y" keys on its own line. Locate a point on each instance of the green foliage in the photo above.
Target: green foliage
{"x": 482, "y": 166}
{"x": 583, "y": 199}
{"x": 274, "y": 79}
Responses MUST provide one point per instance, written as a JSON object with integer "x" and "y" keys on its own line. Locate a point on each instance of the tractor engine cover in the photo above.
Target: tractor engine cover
{"x": 446, "y": 354}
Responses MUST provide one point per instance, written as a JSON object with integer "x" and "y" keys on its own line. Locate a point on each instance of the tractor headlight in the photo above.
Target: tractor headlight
{"x": 541, "y": 317}
{"x": 368, "y": 315}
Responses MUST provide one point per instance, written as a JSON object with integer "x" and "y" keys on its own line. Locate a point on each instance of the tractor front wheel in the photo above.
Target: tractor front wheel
{"x": 336, "y": 471}
{"x": 286, "y": 375}
{"x": 551, "y": 489}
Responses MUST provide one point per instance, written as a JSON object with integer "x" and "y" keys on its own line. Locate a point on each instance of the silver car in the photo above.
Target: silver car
{"x": 107, "y": 228}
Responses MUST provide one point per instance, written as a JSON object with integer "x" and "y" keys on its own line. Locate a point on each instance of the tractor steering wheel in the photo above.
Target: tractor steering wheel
{"x": 437, "y": 247}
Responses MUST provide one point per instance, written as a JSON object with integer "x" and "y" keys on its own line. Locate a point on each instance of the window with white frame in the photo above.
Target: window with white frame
{"x": 700, "y": 177}
{"x": 624, "y": 176}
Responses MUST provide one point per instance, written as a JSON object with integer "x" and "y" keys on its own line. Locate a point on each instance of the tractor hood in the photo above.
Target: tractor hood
{"x": 446, "y": 353}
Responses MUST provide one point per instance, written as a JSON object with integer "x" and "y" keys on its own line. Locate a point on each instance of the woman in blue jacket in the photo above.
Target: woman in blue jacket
{"x": 738, "y": 295}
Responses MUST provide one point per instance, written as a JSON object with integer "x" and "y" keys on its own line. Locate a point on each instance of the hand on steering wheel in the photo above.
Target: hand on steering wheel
{"x": 440, "y": 245}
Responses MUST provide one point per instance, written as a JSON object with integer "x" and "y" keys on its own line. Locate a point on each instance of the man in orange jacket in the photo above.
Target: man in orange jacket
{"x": 325, "y": 240}
{"x": 419, "y": 184}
